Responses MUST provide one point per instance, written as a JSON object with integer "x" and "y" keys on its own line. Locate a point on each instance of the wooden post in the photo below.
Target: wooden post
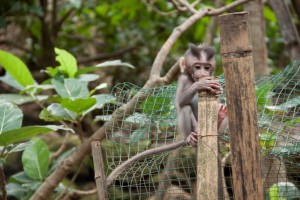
{"x": 100, "y": 177}
{"x": 207, "y": 150}
{"x": 238, "y": 67}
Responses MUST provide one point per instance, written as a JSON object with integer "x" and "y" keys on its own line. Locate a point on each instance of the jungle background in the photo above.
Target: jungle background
{"x": 131, "y": 31}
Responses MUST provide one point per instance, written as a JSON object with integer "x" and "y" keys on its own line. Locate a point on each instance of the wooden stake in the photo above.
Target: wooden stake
{"x": 207, "y": 151}
{"x": 238, "y": 67}
{"x": 100, "y": 177}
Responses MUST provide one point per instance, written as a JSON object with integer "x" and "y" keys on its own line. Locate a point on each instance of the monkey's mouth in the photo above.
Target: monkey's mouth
{"x": 199, "y": 78}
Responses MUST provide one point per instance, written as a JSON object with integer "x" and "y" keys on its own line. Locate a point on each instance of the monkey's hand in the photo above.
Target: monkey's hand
{"x": 222, "y": 119}
{"x": 209, "y": 84}
{"x": 192, "y": 139}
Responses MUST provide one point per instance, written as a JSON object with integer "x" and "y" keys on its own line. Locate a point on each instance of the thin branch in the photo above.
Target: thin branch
{"x": 3, "y": 194}
{"x": 53, "y": 14}
{"x": 178, "y": 6}
{"x": 188, "y": 6}
{"x": 155, "y": 9}
{"x": 72, "y": 181}
{"x": 59, "y": 23}
{"x": 177, "y": 32}
{"x": 172, "y": 74}
{"x": 218, "y": 11}
{"x": 62, "y": 147}
{"x": 164, "y": 51}
{"x": 80, "y": 193}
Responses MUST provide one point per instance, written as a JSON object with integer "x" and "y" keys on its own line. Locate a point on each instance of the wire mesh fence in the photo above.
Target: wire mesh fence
{"x": 172, "y": 174}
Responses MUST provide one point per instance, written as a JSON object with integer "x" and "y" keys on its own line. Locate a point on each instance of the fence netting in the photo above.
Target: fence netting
{"x": 152, "y": 123}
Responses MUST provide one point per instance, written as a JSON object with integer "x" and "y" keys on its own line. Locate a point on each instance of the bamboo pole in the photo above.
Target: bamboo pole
{"x": 100, "y": 177}
{"x": 238, "y": 67}
{"x": 207, "y": 150}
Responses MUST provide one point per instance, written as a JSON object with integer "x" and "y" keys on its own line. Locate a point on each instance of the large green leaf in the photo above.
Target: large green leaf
{"x": 17, "y": 135}
{"x": 78, "y": 105}
{"x": 70, "y": 88}
{"x": 67, "y": 62}
{"x": 16, "y": 68}
{"x": 56, "y": 112}
{"x": 35, "y": 159}
{"x": 10, "y": 117}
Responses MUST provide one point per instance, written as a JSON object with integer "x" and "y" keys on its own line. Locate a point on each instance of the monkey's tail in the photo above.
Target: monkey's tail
{"x": 141, "y": 155}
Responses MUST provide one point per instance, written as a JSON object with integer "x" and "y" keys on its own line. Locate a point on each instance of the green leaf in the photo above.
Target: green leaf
{"x": 17, "y": 135}
{"x": 285, "y": 106}
{"x": 283, "y": 191}
{"x": 9, "y": 80}
{"x": 38, "y": 88}
{"x": 18, "y": 147}
{"x": 21, "y": 177}
{"x": 88, "y": 77}
{"x": 78, "y": 105}
{"x": 115, "y": 63}
{"x": 139, "y": 134}
{"x": 68, "y": 63}
{"x": 56, "y": 112}
{"x": 51, "y": 71}
{"x": 10, "y": 117}
{"x": 16, "y": 68}
{"x": 139, "y": 118}
{"x": 75, "y": 3}
{"x": 269, "y": 14}
{"x": 104, "y": 64}
{"x": 70, "y": 88}
{"x": 35, "y": 159}
{"x": 15, "y": 98}
{"x": 156, "y": 105}
{"x": 101, "y": 99}
{"x": 99, "y": 87}
{"x": 103, "y": 118}
{"x": 16, "y": 190}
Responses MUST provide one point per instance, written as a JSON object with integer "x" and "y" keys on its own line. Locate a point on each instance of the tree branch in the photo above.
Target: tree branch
{"x": 80, "y": 193}
{"x": 164, "y": 51}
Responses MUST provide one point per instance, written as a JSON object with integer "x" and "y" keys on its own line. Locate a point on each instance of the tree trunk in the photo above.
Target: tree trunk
{"x": 257, "y": 29}
{"x": 241, "y": 102}
{"x": 288, "y": 29}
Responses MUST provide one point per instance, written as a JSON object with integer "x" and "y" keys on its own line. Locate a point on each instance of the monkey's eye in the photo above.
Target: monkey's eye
{"x": 197, "y": 66}
{"x": 207, "y": 67}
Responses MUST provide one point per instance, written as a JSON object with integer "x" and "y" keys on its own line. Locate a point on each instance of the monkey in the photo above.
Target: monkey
{"x": 197, "y": 66}
{"x": 197, "y": 70}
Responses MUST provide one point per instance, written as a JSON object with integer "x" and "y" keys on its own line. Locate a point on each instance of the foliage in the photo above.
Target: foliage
{"x": 65, "y": 97}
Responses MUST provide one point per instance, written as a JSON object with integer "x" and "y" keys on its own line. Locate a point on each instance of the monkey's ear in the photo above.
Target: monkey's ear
{"x": 182, "y": 64}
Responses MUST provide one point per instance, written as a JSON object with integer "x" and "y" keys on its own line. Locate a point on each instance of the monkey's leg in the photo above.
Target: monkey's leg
{"x": 187, "y": 125}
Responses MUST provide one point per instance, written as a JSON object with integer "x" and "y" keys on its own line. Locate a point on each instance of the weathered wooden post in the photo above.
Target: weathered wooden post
{"x": 241, "y": 103}
{"x": 100, "y": 177}
{"x": 207, "y": 151}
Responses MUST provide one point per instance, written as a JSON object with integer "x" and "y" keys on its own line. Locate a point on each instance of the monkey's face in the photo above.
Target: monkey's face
{"x": 201, "y": 70}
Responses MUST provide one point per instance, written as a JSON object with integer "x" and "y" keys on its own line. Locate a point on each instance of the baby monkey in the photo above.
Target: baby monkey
{"x": 197, "y": 69}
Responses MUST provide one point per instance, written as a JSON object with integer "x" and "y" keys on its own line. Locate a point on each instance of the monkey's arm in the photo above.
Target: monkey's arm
{"x": 187, "y": 89}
